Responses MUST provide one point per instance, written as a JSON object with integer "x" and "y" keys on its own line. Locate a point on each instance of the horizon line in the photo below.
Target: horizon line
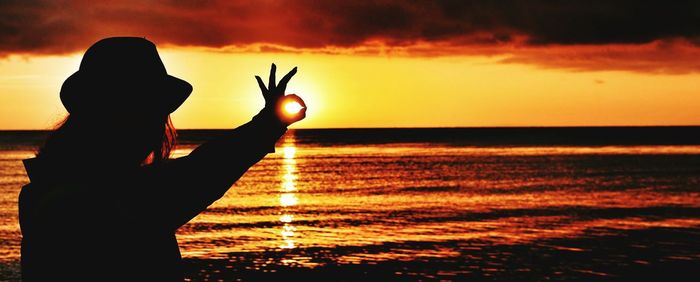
{"x": 432, "y": 127}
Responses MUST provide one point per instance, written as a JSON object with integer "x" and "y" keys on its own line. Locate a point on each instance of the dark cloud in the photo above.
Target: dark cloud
{"x": 665, "y": 56}
{"x": 580, "y": 22}
{"x": 449, "y": 26}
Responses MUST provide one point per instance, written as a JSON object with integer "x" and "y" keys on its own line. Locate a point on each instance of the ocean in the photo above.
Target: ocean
{"x": 606, "y": 203}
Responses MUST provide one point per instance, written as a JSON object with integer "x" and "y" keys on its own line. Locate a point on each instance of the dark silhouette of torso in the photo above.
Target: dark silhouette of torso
{"x": 98, "y": 223}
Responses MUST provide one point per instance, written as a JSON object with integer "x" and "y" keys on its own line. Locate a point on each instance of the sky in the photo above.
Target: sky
{"x": 378, "y": 63}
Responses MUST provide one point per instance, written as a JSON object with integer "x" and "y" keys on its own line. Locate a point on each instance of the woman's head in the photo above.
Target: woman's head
{"x": 119, "y": 103}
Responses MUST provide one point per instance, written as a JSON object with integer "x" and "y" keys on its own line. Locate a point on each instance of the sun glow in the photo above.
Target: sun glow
{"x": 367, "y": 91}
{"x": 292, "y": 108}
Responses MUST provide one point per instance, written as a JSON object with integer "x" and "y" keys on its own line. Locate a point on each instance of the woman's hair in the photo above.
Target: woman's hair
{"x": 73, "y": 136}
{"x": 161, "y": 150}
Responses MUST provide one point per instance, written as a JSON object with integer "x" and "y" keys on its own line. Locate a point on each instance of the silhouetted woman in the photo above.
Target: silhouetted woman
{"x": 104, "y": 200}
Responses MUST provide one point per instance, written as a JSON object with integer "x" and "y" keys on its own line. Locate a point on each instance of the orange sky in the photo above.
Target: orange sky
{"x": 379, "y": 91}
{"x": 383, "y": 64}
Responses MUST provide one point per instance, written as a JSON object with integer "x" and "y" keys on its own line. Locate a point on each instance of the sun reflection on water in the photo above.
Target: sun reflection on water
{"x": 288, "y": 198}
{"x": 289, "y": 149}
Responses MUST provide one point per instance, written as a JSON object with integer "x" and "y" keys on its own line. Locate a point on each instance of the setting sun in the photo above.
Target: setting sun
{"x": 292, "y": 107}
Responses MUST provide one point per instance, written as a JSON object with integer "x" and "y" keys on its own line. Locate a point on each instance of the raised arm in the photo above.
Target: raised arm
{"x": 178, "y": 190}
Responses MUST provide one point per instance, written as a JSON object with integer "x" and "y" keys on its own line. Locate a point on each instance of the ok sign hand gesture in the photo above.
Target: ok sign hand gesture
{"x": 276, "y": 99}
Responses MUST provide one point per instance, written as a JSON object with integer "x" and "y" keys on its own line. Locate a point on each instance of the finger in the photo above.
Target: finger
{"x": 271, "y": 83}
{"x": 263, "y": 89}
{"x": 283, "y": 82}
{"x": 261, "y": 84}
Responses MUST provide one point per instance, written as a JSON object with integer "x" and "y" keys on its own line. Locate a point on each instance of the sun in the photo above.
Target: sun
{"x": 292, "y": 107}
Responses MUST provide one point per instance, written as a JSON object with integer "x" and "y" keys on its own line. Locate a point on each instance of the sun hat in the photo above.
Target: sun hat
{"x": 120, "y": 74}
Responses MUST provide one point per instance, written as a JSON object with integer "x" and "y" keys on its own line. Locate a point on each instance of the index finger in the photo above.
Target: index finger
{"x": 271, "y": 83}
{"x": 283, "y": 82}
{"x": 261, "y": 84}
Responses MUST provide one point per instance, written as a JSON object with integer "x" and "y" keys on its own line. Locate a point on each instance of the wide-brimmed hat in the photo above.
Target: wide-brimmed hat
{"x": 123, "y": 74}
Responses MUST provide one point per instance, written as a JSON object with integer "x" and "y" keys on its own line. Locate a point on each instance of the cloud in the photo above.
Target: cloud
{"x": 593, "y": 34}
{"x": 662, "y": 56}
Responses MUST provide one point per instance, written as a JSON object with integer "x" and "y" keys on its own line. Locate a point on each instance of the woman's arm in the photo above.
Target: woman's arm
{"x": 178, "y": 190}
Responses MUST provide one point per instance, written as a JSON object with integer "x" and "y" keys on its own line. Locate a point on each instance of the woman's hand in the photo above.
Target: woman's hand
{"x": 275, "y": 99}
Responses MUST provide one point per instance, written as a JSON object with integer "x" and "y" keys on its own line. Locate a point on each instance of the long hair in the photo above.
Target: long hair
{"x": 161, "y": 151}
{"x": 68, "y": 139}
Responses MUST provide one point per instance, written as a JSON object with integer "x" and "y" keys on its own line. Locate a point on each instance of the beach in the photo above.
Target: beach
{"x": 437, "y": 204}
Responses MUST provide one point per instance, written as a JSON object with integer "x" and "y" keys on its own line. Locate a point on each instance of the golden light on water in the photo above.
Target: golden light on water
{"x": 308, "y": 228}
{"x": 288, "y": 232}
{"x": 289, "y": 152}
{"x": 287, "y": 235}
{"x": 286, "y": 218}
{"x": 288, "y": 186}
{"x": 287, "y": 198}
